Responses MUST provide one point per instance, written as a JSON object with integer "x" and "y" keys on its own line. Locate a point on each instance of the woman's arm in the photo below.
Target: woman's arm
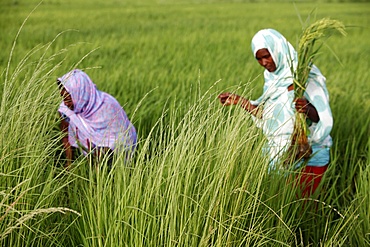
{"x": 232, "y": 99}
{"x": 66, "y": 145}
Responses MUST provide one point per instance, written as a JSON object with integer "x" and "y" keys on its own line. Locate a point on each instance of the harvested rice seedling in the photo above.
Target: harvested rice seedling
{"x": 195, "y": 180}
{"x": 310, "y": 42}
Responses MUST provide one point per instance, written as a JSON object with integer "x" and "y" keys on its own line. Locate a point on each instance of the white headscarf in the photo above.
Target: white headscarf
{"x": 285, "y": 58}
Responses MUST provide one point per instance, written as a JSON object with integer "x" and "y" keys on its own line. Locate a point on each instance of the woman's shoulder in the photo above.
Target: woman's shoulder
{"x": 316, "y": 73}
{"x": 109, "y": 99}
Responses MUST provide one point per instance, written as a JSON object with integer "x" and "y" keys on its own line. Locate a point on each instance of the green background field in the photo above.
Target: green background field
{"x": 166, "y": 62}
{"x": 170, "y": 45}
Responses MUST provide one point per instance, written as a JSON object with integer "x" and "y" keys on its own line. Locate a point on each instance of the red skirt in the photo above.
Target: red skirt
{"x": 309, "y": 179}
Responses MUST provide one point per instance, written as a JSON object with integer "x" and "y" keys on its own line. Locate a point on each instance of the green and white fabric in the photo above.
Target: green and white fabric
{"x": 278, "y": 107}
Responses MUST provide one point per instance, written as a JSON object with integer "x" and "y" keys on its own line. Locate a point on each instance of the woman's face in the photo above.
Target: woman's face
{"x": 264, "y": 58}
{"x": 67, "y": 98}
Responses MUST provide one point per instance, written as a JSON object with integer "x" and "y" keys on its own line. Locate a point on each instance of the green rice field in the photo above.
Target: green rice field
{"x": 198, "y": 177}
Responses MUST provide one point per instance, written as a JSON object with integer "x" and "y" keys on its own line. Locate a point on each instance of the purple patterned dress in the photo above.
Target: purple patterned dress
{"x": 97, "y": 120}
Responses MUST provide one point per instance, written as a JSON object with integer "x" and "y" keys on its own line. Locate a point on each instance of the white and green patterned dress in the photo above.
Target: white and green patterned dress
{"x": 278, "y": 107}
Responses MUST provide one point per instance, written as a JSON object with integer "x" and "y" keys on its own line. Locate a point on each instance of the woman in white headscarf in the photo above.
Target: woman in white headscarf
{"x": 274, "y": 110}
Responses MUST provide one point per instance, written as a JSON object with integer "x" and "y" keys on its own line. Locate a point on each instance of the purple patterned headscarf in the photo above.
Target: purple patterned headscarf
{"x": 97, "y": 119}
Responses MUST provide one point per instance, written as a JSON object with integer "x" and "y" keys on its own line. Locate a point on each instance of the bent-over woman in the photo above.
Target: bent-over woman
{"x": 93, "y": 120}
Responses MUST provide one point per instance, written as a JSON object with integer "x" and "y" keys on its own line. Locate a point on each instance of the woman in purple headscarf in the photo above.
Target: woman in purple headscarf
{"x": 93, "y": 120}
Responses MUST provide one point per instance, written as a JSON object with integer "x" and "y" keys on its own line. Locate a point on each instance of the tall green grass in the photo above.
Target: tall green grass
{"x": 198, "y": 177}
{"x": 30, "y": 190}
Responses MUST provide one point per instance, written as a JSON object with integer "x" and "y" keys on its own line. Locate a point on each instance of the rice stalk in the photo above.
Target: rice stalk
{"x": 21, "y": 221}
{"x": 310, "y": 42}
{"x": 307, "y": 50}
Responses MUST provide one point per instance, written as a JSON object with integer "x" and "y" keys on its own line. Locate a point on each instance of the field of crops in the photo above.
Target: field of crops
{"x": 198, "y": 177}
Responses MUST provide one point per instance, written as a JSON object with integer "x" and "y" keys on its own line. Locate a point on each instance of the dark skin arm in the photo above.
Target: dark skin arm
{"x": 301, "y": 105}
{"x": 68, "y": 149}
{"x": 66, "y": 145}
{"x": 233, "y": 99}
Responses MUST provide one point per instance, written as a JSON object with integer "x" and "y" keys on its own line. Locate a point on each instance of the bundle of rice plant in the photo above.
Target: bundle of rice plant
{"x": 310, "y": 42}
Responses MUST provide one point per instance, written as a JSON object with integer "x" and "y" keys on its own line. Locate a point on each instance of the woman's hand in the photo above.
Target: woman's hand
{"x": 229, "y": 99}
{"x": 302, "y": 105}
{"x": 233, "y": 99}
